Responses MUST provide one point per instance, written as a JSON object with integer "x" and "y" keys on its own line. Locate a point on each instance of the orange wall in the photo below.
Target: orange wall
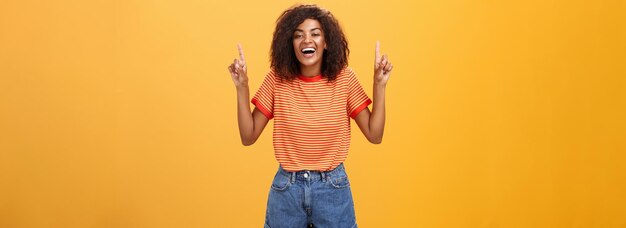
{"x": 500, "y": 113}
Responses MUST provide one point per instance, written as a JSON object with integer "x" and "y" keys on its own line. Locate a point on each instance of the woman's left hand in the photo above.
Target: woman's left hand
{"x": 382, "y": 67}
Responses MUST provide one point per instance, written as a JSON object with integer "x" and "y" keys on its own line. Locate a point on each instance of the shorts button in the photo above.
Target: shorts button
{"x": 306, "y": 175}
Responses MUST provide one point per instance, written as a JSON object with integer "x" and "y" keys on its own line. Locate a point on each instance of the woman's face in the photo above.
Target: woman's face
{"x": 309, "y": 43}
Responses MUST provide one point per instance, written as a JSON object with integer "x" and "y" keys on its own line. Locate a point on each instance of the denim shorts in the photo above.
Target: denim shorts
{"x": 310, "y": 199}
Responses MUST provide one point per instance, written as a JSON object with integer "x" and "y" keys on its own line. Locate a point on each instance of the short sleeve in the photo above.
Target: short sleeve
{"x": 357, "y": 98}
{"x": 264, "y": 97}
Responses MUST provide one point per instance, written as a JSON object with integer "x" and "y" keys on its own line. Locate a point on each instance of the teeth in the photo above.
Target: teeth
{"x": 308, "y": 49}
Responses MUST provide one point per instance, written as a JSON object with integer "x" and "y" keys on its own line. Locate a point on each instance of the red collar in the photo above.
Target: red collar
{"x": 310, "y": 79}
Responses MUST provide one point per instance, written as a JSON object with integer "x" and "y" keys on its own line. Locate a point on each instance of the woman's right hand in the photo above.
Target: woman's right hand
{"x": 239, "y": 71}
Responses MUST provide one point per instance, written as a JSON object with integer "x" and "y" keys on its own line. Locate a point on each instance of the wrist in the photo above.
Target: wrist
{"x": 242, "y": 87}
{"x": 243, "y": 91}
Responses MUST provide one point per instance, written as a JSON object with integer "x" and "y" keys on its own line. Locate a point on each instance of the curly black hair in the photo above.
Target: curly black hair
{"x": 282, "y": 54}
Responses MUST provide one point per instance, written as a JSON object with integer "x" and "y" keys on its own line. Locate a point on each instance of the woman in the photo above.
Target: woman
{"x": 311, "y": 94}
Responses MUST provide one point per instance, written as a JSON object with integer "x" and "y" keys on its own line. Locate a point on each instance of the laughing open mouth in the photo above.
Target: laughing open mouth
{"x": 308, "y": 50}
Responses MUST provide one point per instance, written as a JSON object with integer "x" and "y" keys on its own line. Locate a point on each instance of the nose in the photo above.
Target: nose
{"x": 308, "y": 39}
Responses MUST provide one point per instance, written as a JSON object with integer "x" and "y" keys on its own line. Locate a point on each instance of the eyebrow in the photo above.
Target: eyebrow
{"x": 300, "y": 30}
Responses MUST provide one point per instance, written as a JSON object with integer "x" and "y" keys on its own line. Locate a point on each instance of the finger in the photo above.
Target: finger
{"x": 241, "y": 64}
{"x": 384, "y": 61}
{"x": 377, "y": 52}
{"x": 236, "y": 63}
{"x": 243, "y": 59}
{"x": 388, "y": 67}
{"x": 239, "y": 71}
{"x": 232, "y": 71}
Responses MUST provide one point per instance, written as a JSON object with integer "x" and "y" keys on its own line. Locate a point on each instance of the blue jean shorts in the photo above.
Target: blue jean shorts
{"x": 310, "y": 199}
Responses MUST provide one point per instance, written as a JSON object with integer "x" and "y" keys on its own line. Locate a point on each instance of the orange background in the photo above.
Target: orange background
{"x": 499, "y": 113}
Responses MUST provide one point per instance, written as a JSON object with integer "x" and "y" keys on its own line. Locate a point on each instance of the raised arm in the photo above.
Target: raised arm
{"x": 250, "y": 124}
{"x": 373, "y": 124}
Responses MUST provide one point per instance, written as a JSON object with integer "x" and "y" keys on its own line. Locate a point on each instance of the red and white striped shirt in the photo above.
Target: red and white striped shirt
{"x": 311, "y": 118}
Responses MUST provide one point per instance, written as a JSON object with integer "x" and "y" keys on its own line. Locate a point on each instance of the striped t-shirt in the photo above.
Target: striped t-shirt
{"x": 311, "y": 118}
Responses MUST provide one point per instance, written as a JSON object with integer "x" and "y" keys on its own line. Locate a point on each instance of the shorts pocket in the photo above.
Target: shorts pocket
{"x": 340, "y": 181}
{"x": 281, "y": 182}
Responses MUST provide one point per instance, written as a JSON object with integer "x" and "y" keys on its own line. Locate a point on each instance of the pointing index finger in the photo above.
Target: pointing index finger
{"x": 241, "y": 52}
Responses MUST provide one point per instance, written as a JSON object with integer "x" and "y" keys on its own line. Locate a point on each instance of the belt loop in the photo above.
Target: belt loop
{"x": 323, "y": 176}
{"x": 293, "y": 177}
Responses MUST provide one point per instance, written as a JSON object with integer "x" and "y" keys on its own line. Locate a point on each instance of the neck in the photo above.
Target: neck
{"x": 310, "y": 71}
